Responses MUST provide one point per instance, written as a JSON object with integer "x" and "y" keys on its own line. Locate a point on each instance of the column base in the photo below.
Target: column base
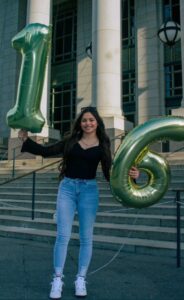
{"x": 47, "y": 135}
{"x": 173, "y": 146}
{"x": 117, "y": 127}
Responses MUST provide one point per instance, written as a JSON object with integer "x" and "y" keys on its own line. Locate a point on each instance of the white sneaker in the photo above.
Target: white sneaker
{"x": 80, "y": 287}
{"x": 56, "y": 289}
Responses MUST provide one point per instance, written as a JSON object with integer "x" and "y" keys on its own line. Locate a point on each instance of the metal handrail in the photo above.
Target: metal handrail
{"x": 43, "y": 167}
{"x": 33, "y": 183}
{"x": 4, "y": 155}
{"x": 117, "y": 137}
{"x": 178, "y": 212}
{"x": 178, "y": 225}
{"x": 47, "y": 165}
{"x": 31, "y": 172}
{"x": 14, "y": 156}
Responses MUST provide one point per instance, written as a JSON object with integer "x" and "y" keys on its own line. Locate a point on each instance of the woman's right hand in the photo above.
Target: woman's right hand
{"x": 22, "y": 135}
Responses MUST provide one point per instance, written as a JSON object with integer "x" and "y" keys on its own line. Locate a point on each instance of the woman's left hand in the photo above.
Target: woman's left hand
{"x": 134, "y": 173}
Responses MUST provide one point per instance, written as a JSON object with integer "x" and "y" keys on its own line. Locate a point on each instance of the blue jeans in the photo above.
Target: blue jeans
{"x": 79, "y": 195}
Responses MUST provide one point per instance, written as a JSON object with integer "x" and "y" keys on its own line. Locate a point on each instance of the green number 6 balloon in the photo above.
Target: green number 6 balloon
{"x": 134, "y": 151}
{"x": 33, "y": 42}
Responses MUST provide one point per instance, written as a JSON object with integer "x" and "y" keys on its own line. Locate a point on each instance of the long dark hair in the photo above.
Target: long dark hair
{"x": 76, "y": 135}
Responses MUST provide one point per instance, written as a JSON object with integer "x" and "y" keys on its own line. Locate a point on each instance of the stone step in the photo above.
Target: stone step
{"x": 27, "y": 204}
{"x": 41, "y": 174}
{"x": 41, "y": 196}
{"x": 141, "y": 219}
{"x": 42, "y": 182}
{"x": 43, "y": 169}
{"x": 26, "y": 196}
{"x": 106, "y": 229}
{"x": 20, "y": 207}
{"x": 137, "y": 231}
{"x": 105, "y": 204}
{"x": 28, "y": 179}
{"x": 27, "y": 173}
{"x": 26, "y": 190}
{"x": 50, "y": 166}
{"x": 44, "y": 189}
{"x": 27, "y": 212}
{"x": 151, "y": 229}
{"x": 18, "y": 190}
{"x": 52, "y": 183}
{"x": 144, "y": 246}
{"x": 26, "y": 163}
{"x": 113, "y": 216}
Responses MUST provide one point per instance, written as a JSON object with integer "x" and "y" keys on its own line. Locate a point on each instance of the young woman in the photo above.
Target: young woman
{"x": 86, "y": 146}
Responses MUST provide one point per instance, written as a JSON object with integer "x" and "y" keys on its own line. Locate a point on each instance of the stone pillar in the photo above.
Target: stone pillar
{"x": 180, "y": 111}
{"x": 38, "y": 11}
{"x": 106, "y": 64}
{"x": 182, "y": 47}
{"x": 149, "y": 61}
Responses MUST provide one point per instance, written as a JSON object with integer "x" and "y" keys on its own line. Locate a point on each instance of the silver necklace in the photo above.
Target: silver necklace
{"x": 89, "y": 145}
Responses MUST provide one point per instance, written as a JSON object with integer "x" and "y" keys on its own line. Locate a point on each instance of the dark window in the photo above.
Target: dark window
{"x": 128, "y": 59}
{"x": 171, "y": 10}
{"x": 173, "y": 85}
{"x": 128, "y": 28}
{"x": 172, "y": 60}
{"x": 131, "y": 118}
{"x": 62, "y": 112}
{"x": 64, "y": 36}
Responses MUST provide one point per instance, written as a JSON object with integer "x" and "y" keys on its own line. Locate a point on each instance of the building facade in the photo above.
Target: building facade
{"x": 105, "y": 53}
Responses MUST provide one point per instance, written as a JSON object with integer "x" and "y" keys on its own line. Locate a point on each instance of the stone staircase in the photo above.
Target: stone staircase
{"x": 150, "y": 230}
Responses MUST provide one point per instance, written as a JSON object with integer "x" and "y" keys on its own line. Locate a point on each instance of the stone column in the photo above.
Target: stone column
{"x": 149, "y": 61}
{"x": 180, "y": 111}
{"x": 182, "y": 47}
{"x": 182, "y": 55}
{"x": 38, "y": 11}
{"x": 106, "y": 63}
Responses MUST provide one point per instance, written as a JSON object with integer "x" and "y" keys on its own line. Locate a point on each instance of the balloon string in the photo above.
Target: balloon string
{"x": 125, "y": 209}
{"x": 4, "y": 203}
{"x": 181, "y": 203}
{"x": 121, "y": 246}
{"x": 116, "y": 254}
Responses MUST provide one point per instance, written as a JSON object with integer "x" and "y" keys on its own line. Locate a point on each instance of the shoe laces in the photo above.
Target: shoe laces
{"x": 81, "y": 283}
{"x": 57, "y": 282}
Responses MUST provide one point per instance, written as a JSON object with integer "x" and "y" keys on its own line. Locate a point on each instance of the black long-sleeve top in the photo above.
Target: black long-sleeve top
{"x": 81, "y": 163}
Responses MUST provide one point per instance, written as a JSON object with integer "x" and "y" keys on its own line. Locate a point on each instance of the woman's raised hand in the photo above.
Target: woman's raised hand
{"x": 22, "y": 135}
{"x": 134, "y": 172}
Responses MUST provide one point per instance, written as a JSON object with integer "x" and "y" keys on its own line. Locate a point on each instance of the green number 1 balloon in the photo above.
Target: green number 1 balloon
{"x": 33, "y": 42}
